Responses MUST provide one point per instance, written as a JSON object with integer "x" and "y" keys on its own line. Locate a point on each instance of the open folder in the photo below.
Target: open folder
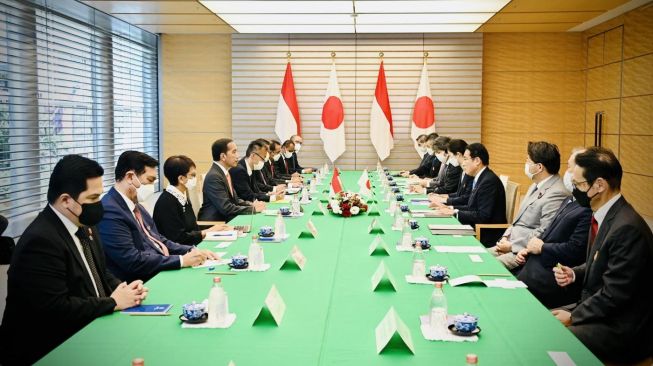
{"x": 427, "y": 213}
{"x": 451, "y": 230}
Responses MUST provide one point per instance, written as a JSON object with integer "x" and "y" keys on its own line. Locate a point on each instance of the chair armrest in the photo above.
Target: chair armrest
{"x": 488, "y": 226}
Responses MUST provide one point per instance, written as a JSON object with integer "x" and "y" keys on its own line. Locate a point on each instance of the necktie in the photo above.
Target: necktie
{"x": 87, "y": 248}
{"x": 285, "y": 162}
{"x": 155, "y": 243}
{"x": 231, "y": 188}
{"x": 594, "y": 229}
{"x": 263, "y": 177}
{"x": 474, "y": 184}
{"x": 272, "y": 169}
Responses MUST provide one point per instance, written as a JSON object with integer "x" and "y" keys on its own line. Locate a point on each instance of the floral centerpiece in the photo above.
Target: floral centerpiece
{"x": 347, "y": 204}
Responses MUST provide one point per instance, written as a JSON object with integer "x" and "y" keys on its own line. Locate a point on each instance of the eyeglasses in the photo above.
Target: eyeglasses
{"x": 576, "y": 184}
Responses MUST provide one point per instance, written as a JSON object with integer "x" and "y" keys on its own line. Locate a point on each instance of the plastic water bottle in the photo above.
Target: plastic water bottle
{"x": 393, "y": 207}
{"x": 305, "y": 196}
{"x": 399, "y": 223}
{"x": 438, "y": 310}
{"x": 255, "y": 253}
{"x": 218, "y": 302}
{"x": 406, "y": 234}
{"x": 279, "y": 227}
{"x": 295, "y": 207}
{"x": 419, "y": 263}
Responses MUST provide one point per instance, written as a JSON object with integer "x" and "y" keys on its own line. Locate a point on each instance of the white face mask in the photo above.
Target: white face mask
{"x": 259, "y": 165}
{"x": 421, "y": 150}
{"x": 566, "y": 180}
{"x": 267, "y": 157}
{"x": 527, "y": 171}
{"x": 145, "y": 191}
{"x": 287, "y": 155}
{"x": 191, "y": 183}
{"x": 453, "y": 161}
{"x": 429, "y": 151}
{"x": 276, "y": 157}
{"x": 298, "y": 147}
{"x": 441, "y": 157}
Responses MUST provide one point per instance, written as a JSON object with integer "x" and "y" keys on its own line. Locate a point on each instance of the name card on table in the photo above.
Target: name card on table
{"x": 274, "y": 306}
{"x": 295, "y": 260}
{"x": 320, "y": 211}
{"x": 375, "y": 228}
{"x": 383, "y": 279}
{"x": 312, "y": 231}
{"x": 379, "y": 247}
{"x": 392, "y": 326}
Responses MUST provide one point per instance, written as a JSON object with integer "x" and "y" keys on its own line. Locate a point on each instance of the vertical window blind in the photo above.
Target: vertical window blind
{"x": 73, "y": 80}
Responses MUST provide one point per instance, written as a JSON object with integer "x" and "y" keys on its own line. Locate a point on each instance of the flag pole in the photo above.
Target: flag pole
{"x": 426, "y": 56}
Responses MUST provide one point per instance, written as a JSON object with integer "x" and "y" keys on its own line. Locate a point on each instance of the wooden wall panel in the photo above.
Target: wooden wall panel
{"x": 455, "y": 71}
{"x": 638, "y": 190}
{"x": 613, "y": 48}
{"x": 627, "y": 71}
{"x": 635, "y": 153}
{"x": 604, "y": 82}
{"x": 638, "y": 78}
{"x": 533, "y": 89}
{"x": 611, "y": 117}
{"x": 637, "y": 115}
{"x": 196, "y": 94}
{"x": 638, "y": 33}
{"x": 595, "y": 50}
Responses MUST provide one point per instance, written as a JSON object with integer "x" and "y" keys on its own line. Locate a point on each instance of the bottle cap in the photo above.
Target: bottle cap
{"x": 217, "y": 280}
{"x": 138, "y": 362}
{"x": 472, "y": 359}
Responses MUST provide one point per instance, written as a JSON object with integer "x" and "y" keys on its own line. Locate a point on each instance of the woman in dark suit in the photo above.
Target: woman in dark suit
{"x": 173, "y": 213}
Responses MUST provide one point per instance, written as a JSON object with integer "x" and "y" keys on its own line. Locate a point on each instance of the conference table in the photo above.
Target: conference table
{"x": 331, "y": 310}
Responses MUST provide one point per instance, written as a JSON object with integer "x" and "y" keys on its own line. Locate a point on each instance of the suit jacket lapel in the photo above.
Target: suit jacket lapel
{"x": 70, "y": 245}
{"x": 536, "y": 195}
{"x": 600, "y": 235}
{"x": 224, "y": 179}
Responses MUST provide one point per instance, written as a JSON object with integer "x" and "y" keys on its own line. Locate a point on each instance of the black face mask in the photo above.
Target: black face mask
{"x": 91, "y": 213}
{"x": 582, "y": 198}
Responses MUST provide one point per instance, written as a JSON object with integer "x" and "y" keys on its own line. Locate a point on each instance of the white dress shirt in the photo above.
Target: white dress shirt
{"x": 72, "y": 230}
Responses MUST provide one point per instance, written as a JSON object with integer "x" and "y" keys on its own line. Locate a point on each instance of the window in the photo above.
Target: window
{"x": 73, "y": 80}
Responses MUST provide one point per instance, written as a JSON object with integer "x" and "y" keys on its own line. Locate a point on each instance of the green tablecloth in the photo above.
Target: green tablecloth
{"x": 331, "y": 310}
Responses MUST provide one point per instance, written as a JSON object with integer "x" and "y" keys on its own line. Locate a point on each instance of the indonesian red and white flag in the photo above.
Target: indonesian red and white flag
{"x": 364, "y": 184}
{"x": 381, "y": 131}
{"x": 288, "y": 123}
{"x": 332, "y": 130}
{"x": 423, "y": 112}
{"x": 336, "y": 183}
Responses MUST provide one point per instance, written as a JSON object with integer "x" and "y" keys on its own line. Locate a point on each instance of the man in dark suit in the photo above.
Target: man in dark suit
{"x": 426, "y": 169}
{"x": 563, "y": 241}
{"x": 132, "y": 243}
{"x": 614, "y": 316}
{"x": 450, "y": 172}
{"x": 420, "y": 143}
{"x": 243, "y": 176}
{"x": 271, "y": 169}
{"x": 487, "y": 202}
{"x": 285, "y": 164}
{"x": 262, "y": 179}
{"x": 299, "y": 142}
{"x": 221, "y": 202}
{"x": 58, "y": 281}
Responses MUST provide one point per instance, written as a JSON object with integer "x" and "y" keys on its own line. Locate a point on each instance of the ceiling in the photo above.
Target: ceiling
{"x": 380, "y": 16}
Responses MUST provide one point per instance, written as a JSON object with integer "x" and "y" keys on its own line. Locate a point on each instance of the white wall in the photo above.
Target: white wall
{"x": 455, "y": 71}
